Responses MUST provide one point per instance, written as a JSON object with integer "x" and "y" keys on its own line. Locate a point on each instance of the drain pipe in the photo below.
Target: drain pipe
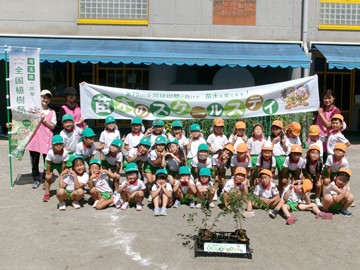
{"x": 304, "y": 33}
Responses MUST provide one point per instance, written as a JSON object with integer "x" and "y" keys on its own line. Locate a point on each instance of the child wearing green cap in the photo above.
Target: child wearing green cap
{"x": 161, "y": 193}
{"x": 202, "y": 160}
{"x": 55, "y": 160}
{"x": 139, "y": 154}
{"x": 134, "y": 137}
{"x": 70, "y": 133}
{"x": 177, "y": 132}
{"x": 71, "y": 183}
{"x": 112, "y": 160}
{"x": 86, "y": 147}
{"x": 195, "y": 140}
{"x": 184, "y": 187}
{"x": 205, "y": 187}
{"x": 156, "y": 130}
{"x": 110, "y": 133}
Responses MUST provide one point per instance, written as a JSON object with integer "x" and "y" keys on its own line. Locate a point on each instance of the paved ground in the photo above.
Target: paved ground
{"x": 35, "y": 235}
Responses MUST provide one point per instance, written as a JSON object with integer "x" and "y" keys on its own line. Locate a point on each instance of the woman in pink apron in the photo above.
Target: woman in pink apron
{"x": 40, "y": 142}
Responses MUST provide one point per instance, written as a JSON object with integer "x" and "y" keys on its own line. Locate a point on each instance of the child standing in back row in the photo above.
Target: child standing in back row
{"x": 108, "y": 135}
{"x": 217, "y": 140}
{"x": 194, "y": 141}
{"x": 71, "y": 133}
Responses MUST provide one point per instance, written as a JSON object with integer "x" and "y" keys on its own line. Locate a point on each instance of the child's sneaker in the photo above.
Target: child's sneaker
{"x": 192, "y": 204}
{"x": 176, "y": 204}
{"x": 248, "y": 214}
{"x": 323, "y": 215}
{"x": 157, "y": 212}
{"x": 150, "y": 198}
{"x": 76, "y": 205}
{"x": 273, "y": 213}
{"x": 124, "y": 206}
{"x": 62, "y": 206}
{"x": 345, "y": 212}
{"x": 198, "y": 206}
{"x": 116, "y": 200}
{"x": 215, "y": 197}
{"x": 212, "y": 205}
{"x": 139, "y": 207}
{"x": 291, "y": 220}
{"x": 318, "y": 202}
{"x": 95, "y": 203}
{"x": 163, "y": 211}
{"x": 46, "y": 197}
{"x": 35, "y": 184}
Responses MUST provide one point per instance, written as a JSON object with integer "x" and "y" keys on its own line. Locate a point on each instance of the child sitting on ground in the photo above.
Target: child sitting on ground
{"x": 220, "y": 163}
{"x": 204, "y": 187}
{"x": 337, "y": 196}
{"x": 161, "y": 192}
{"x": 202, "y": 160}
{"x": 185, "y": 187}
{"x": 71, "y": 183}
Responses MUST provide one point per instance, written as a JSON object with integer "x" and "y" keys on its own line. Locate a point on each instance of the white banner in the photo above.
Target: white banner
{"x": 301, "y": 95}
{"x": 25, "y": 102}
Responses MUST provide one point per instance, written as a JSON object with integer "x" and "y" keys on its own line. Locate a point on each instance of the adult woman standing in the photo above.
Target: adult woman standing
{"x": 40, "y": 142}
{"x": 71, "y": 107}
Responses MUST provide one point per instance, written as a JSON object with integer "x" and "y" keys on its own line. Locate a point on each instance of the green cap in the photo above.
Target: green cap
{"x": 117, "y": 142}
{"x": 136, "y": 121}
{"x": 88, "y": 133}
{"x": 203, "y": 147}
{"x": 177, "y": 124}
{"x": 145, "y": 141}
{"x": 158, "y": 122}
{"x": 67, "y": 117}
{"x": 95, "y": 161}
{"x": 160, "y": 140}
{"x": 184, "y": 170}
{"x": 161, "y": 171}
{"x": 75, "y": 157}
{"x": 131, "y": 167}
{"x": 205, "y": 172}
{"x": 195, "y": 127}
{"x": 173, "y": 140}
{"x": 109, "y": 119}
{"x": 57, "y": 139}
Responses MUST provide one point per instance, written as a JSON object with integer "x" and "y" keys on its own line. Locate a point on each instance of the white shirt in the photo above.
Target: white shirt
{"x": 112, "y": 160}
{"x": 183, "y": 141}
{"x": 202, "y": 164}
{"x": 194, "y": 146}
{"x": 69, "y": 180}
{"x": 107, "y": 137}
{"x": 55, "y": 158}
{"x": 255, "y": 146}
{"x": 85, "y": 152}
{"x": 293, "y": 196}
{"x": 207, "y": 185}
{"x": 155, "y": 187}
{"x": 133, "y": 140}
{"x": 133, "y": 187}
{"x": 217, "y": 142}
{"x": 71, "y": 139}
{"x": 268, "y": 192}
{"x": 333, "y": 139}
{"x": 230, "y": 184}
{"x": 329, "y": 189}
{"x": 238, "y": 141}
{"x": 102, "y": 184}
{"x": 278, "y": 150}
{"x": 266, "y": 164}
{"x": 292, "y": 141}
{"x": 53, "y": 117}
{"x": 318, "y": 143}
{"x": 132, "y": 152}
{"x": 293, "y": 166}
{"x": 336, "y": 165}
{"x": 152, "y": 157}
{"x": 235, "y": 162}
{"x": 312, "y": 167}
{"x": 216, "y": 162}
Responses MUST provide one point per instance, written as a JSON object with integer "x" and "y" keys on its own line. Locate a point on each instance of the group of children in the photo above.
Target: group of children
{"x": 173, "y": 169}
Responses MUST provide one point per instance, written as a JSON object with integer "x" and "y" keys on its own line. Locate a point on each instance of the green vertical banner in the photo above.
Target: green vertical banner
{"x": 25, "y": 101}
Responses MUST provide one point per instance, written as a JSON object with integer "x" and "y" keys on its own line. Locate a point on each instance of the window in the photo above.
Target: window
{"x": 133, "y": 12}
{"x": 339, "y": 15}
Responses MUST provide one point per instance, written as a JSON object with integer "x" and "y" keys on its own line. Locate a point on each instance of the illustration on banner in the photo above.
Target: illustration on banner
{"x": 295, "y": 97}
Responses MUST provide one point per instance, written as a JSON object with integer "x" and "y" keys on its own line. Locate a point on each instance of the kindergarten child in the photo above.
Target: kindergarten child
{"x": 312, "y": 169}
{"x": 70, "y": 133}
{"x": 71, "y": 183}
{"x": 241, "y": 159}
{"x": 194, "y": 141}
{"x": 202, "y": 160}
{"x": 217, "y": 139}
{"x": 139, "y": 154}
{"x": 204, "y": 187}
{"x": 86, "y": 147}
{"x": 337, "y": 196}
{"x": 108, "y": 135}
{"x": 173, "y": 159}
{"x": 314, "y": 139}
{"x": 132, "y": 189}
{"x": 296, "y": 192}
{"x": 334, "y": 163}
{"x": 100, "y": 190}
{"x": 238, "y": 136}
{"x": 220, "y": 163}
{"x": 292, "y": 132}
{"x": 112, "y": 160}
{"x": 156, "y": 130}
{"x": 161, "y": 193}
{"x": 335, "y": 134}
{"x": 265, "y": 160}
{"x": 292, "y": 166}
{"x": 178, "y": 133}
{"x": 55, "y": 160}
{"x": 134, "y": 137}
{"x": 184, "y": 187}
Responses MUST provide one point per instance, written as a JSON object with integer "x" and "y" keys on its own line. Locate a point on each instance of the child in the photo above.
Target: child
{"x": 156, "y": 130}
{"x": 217, "y": 140}
{"x": 265, "y": 160}
{"x": 268, "y": 192}
{"x": 161, "y": 192}
{"x": 72, "y": 182}
{"x": 314, "y": 139}
{"x": 335, "y": 134}
{"x": 173, "y": 159}
{"x": 178, "y": 133}
{"x": 238, "y": 136}
{"x": 112, "y": 160}
{"x": 255, "y": 144}
{"x": 240, "y": 184}
{"x": 100, "y": 190}
{"x": 139, "y": 154}
{"x": 154, "y": 161}
{"x": 280, "y": 145}
{"x": 220, "y": 162}
{"x": 133, "y": 138}
{"x": 204, "y": 187}
{"x": 202, "y": 160}
{"x": 108, "y": 135}
{"x": 241, "y": 159}
{"x": 55, "y": 160}
{"x": 312, "y": 168}
{"x": 292, "y": 166}
{"x": 86, "y": 147}
{"x": 292, "y": 132}
{"x": 184, "y": 187}
{"x": 293, "y": 193}
{"x": 337, "y": 196}
{"x": 194, "y": 141}
{"x": 132, "y": 189}
{"x": 71, "y": 133}
{"x": 334, "y": 163}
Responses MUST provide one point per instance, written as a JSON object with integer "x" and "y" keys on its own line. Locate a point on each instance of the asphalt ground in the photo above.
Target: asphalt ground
{"x": 35, "y": 235}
